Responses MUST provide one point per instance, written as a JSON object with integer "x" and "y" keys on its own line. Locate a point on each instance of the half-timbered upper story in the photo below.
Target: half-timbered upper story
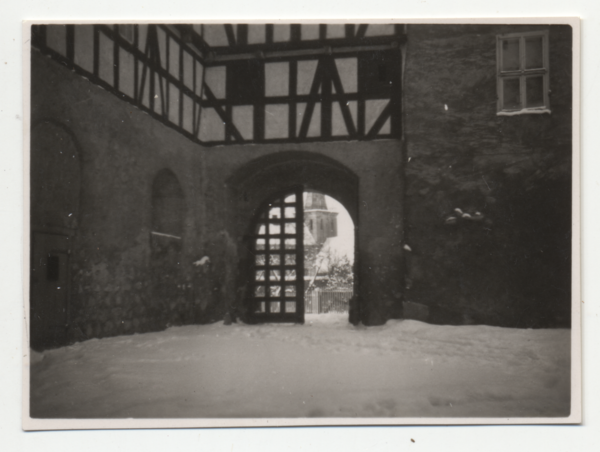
{"x": 245, "y": 83}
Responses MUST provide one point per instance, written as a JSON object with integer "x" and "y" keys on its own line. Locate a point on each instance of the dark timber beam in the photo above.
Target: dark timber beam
{"x": 289, "y": 54}
{"x": 383, "y": 117}
{"x": 223, "y": 115}
{"x": 310, "y": 106}
{"x": 299, "y": 44}
{"x": 349, "y": 28}
{"x": 230, "y": 34}
{"x": 326, "y": 87}
{"x": 337, "y": 84}
{"x": 189, "y": 35}
{"x": 362, "y": 29}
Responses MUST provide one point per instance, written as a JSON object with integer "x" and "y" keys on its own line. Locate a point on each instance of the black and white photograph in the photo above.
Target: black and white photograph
{"x": 311, "y": 223}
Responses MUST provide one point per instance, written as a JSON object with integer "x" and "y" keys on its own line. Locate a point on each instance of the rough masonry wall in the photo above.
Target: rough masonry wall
{"x": 121, "y": 150}
{"x": 512, "y": 268}
{"x": 118, "y": 286}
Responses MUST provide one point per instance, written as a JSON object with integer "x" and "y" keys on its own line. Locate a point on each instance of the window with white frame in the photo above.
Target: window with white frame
{"x": 523, "y": 73}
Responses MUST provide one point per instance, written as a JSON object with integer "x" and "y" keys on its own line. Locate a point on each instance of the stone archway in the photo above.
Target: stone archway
{"x": 259, "y": 182}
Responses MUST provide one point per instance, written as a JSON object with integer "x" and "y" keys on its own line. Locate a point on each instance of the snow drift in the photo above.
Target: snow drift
{"x": 325, "y": 368}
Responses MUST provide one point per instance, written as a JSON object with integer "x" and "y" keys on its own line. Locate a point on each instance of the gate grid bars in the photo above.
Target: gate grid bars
{"x": 278, "y": 269}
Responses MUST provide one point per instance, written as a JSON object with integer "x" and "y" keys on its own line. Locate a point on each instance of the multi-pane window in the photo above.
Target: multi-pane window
{"x": 523, "y": 73}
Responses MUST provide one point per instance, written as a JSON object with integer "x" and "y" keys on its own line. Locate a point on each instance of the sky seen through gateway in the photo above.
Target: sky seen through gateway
{"x": 343, "y": 244}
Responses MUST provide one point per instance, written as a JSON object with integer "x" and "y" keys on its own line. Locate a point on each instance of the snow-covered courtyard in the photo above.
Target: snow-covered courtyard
{"x": 324, "y": 368}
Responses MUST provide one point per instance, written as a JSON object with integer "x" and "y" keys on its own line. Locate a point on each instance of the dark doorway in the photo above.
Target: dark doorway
{"x": 55, "y": 188}
{"x": 49, "y": 290}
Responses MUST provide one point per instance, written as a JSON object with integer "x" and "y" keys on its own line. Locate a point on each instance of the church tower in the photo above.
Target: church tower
{"x": 321, "y": 222}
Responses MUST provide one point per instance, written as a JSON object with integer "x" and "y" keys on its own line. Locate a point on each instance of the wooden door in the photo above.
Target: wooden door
{"x": 277, "y": 270}
{"x": 49, "y": 290}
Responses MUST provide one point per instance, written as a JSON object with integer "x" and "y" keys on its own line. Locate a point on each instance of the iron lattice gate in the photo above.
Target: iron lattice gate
{"x": 277, "y": 293}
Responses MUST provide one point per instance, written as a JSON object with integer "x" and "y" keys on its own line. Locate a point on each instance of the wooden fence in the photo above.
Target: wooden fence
{"x": 318, "y": 301}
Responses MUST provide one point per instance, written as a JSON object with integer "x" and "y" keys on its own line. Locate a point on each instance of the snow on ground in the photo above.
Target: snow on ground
{"x": 325, "y": 367}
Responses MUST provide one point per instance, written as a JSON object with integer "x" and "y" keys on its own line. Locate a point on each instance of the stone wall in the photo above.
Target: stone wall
{"x": 124, "y": 279}
{"x": 512, "y": 267}
{"x": 114, "y": 287}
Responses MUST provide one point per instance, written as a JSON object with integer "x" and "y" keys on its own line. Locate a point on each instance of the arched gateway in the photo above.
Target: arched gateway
{"x": 269, "y": 210}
